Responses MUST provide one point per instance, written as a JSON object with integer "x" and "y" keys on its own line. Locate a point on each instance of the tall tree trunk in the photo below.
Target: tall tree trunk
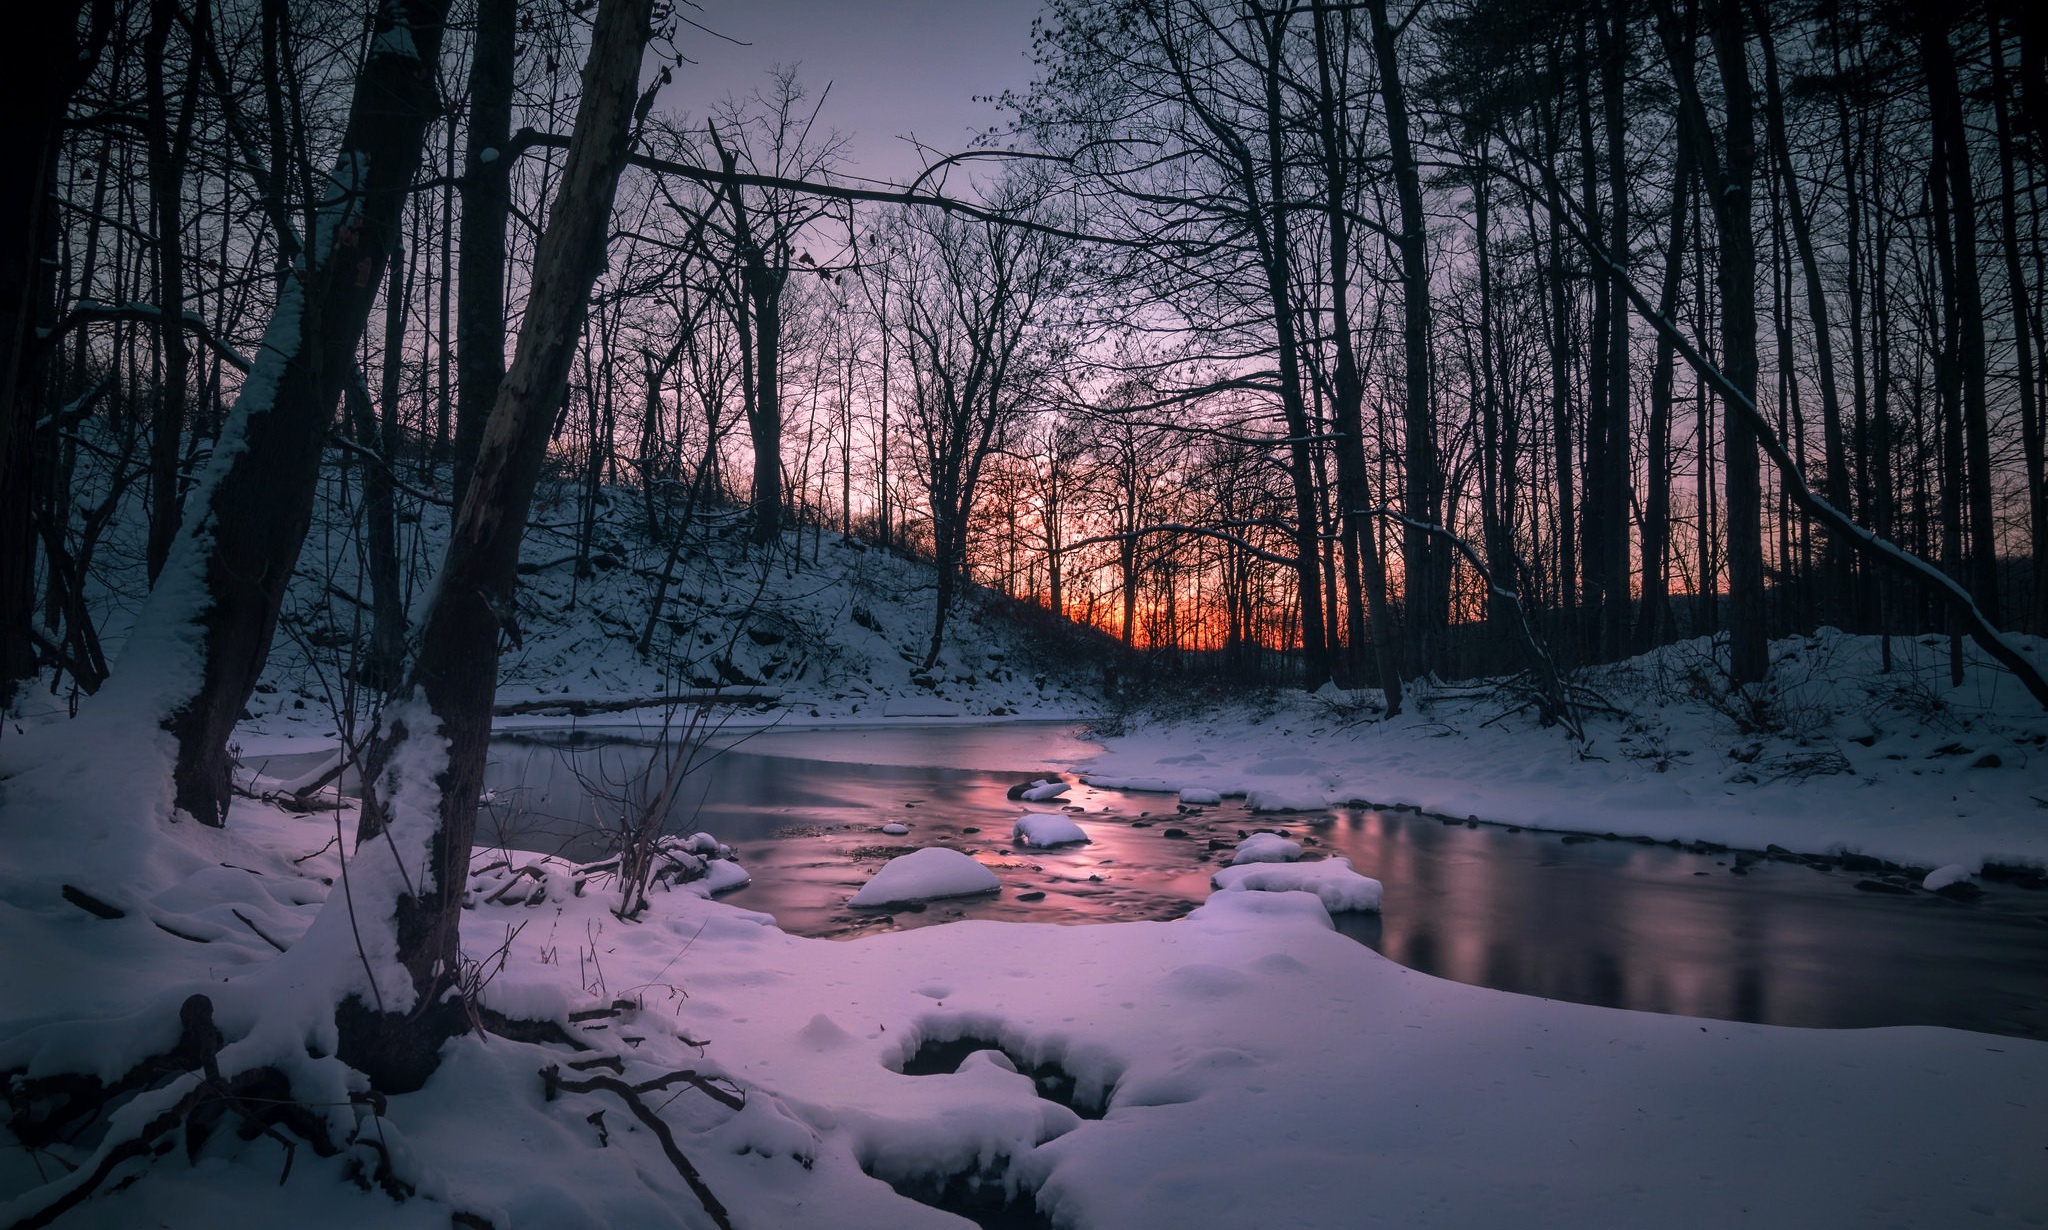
{"x": 1748, "y": 648}
{"x": 1427, "y": 576}
{"x": 1614, "y": 551}
{"x": 1654, "y": 626}
{"x": 380, "y": 504}
{"x": 1276, "y": 254}
{"x": 1594, "y": 523}
{"x": 44, "y": 59}
{"x": 1945, "y": 108}
{"x": 2023, "y": 339}
{"x": 1559, "y": 345}
{"x": 762, "y": 280}
{"x": 486, "y": 204}
{"x": 426, "y": 771}
{"x": 1730, "y": 182}
{"x": 243, "y": 529}
{"x": 1347, "y": 399}
{"x": 1835, "y": 465}
{"x": 169, "y": 146}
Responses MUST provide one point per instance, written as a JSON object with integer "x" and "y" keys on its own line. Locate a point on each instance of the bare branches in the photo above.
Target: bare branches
{"x": 1201, "y": 531}
{"x": 527, "y": 138}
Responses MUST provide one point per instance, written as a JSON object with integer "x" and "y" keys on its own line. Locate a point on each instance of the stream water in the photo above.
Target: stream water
{"x": 1616, "y": 923}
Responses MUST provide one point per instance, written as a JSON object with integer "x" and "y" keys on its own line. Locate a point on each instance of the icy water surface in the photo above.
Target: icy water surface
{"x": 1615, "y": 923}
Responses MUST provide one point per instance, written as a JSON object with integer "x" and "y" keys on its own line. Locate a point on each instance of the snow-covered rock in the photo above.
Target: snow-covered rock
{"x": 1201, "y": 796}
{"x": 720, "y": 876}
{"x": 1043, "y": 790}
{"x": 1942, "y": 877}
{"x": 925, "y": 875}
{"x": 1266, "y": 848}
{"x": 1047, "y": 829}
{"x": 1332, "y": 881}
{"x": 894, "y": 829}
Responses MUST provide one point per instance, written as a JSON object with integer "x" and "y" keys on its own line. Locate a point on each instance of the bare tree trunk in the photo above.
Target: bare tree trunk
{"x": 1945, "y": 107}
{"x": 380, "y": 506}
{"x": 243, "y": 530}
{"x": 170, "y": 145}
{"x": 762, "y": 281}
{"x": 1427, "y": 576}
{"x": 441, "y": 727}
{"x": 1730, "y": 183}
{"x": 1277, "y": 254}
{"x": 2023, "y": 339}
{"x": 43, "y": 61}
{"x": 1835, "y": 467}
{"x": 1614, "y": 553}
{"x": 1654, "y": 627}
{"x": 1348, "y": 393}
{"x": 486, "y": 204}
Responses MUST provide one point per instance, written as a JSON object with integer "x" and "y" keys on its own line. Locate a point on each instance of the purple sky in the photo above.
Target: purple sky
{"x": 895, "y": 66}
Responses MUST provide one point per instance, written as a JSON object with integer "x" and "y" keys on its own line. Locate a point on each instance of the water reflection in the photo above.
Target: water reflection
{"x": 1603, "y": 922}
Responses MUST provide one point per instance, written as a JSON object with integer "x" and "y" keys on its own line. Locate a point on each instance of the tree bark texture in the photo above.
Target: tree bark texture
{"x": 45, "y": 58}
{"x": 244, "y": 533}
{"x": 486, "y": 204}
{"x": 455, "y": 674}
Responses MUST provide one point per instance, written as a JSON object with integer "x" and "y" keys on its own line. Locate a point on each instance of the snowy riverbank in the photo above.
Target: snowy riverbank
{"x": 1899, "y": 766}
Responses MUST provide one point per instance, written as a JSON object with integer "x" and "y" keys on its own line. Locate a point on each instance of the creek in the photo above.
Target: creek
{"x": 1619, "y": 923}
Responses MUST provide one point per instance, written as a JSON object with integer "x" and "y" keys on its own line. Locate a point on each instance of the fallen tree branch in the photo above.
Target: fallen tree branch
{"x": 580, "y": 707}
{"x": 553, "y": 1083}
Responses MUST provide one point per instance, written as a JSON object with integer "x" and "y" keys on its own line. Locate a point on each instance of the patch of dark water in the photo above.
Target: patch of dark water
{"x": 1617, "y": 923}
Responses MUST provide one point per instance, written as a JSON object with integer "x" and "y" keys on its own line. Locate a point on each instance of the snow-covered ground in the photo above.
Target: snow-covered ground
{"x": 1246, "y": 1066}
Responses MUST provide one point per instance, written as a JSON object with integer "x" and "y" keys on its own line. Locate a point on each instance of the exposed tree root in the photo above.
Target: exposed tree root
{"x": 261, "y": 1100}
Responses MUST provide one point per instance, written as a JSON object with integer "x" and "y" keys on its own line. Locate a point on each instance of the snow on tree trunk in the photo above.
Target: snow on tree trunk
{"x": 426, "y": 771}
{"x": 205, "y": 634}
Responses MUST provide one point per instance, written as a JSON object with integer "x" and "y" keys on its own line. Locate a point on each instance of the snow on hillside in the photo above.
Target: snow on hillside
{"x": 821, "y": 627}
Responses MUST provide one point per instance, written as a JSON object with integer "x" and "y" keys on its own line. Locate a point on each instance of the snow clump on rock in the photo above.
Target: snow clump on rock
{"x": 1266, "y": 848}
{"x": 925, "y": 875}
{"x": 1332, "y": 881}
{"x": 1047, "y": 829}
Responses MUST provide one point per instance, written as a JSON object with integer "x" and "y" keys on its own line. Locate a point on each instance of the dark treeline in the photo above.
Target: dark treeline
{"x": 1271, "y": 326}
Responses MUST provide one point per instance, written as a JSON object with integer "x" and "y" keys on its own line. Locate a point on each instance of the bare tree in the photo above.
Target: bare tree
{"x": 425, "y": 773}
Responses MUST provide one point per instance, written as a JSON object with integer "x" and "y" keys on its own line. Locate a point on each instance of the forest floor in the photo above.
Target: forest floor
{"x": 1246, "y": 1066}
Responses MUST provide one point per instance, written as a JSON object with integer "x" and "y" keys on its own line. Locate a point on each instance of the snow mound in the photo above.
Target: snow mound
{"x": 1293, "y": 796}
{"x": 1266, "y": 848}
{"x": 1043, "y": 790}
{"x": 1047, "y": 829}
{"x": 894, "y": 829}
{"x": 1200, "y": 796}
{"x": 1942, "y": 877}
{"x": 923, "y": 875}
{"x": 1332, "y": 881}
